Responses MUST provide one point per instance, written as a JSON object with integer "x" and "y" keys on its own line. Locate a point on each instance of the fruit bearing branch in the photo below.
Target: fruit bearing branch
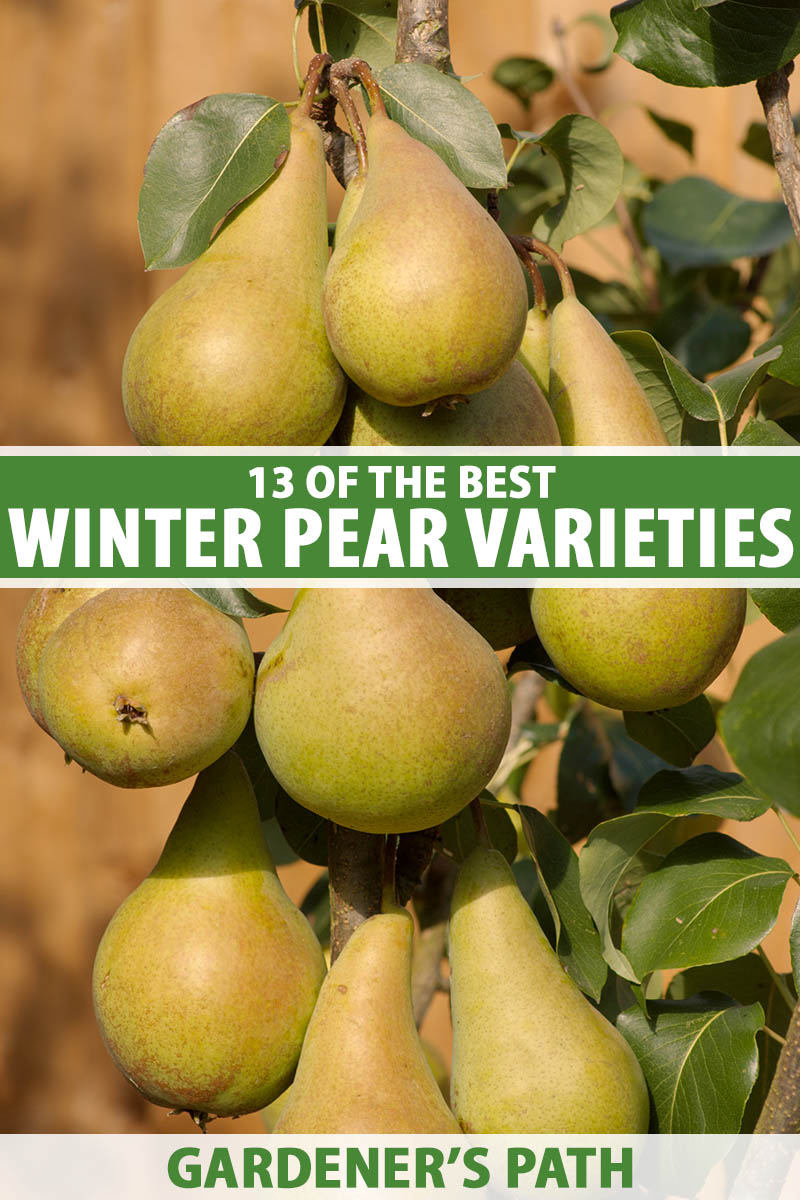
{"x": 773, "y": 91}
{"x": 422, "y": 33}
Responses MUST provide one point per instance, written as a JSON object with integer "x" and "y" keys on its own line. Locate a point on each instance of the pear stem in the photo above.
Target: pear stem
{"x": 341, "y": 92}
{"x": 539, "y": 247}
{"x": 479, "y": 821}
{"x": 356, "y": 68}
{"x": 316, "y": 69}
{"x": 535, "y": 275}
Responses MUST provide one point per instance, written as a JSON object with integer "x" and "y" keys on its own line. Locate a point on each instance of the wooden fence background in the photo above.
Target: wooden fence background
{"x": 85, "y": 87}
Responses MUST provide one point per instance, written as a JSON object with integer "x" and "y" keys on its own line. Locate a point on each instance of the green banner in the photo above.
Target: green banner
{"x": 489, "y": 516}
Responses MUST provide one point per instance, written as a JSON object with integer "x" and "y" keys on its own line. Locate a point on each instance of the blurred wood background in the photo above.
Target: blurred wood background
{"x": 85, "y": 88}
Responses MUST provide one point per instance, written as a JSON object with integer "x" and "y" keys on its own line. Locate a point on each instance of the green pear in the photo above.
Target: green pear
{"x": 424, "y": 296}
{"x": 534, "y": 353}
{"x": 511, "y": 412}
{"x": 530, "y": 1053}
{"x": 206, "y": 977}
{"x": 501, "y": 615}
{"x": 235, "y": 352}
{"x": 595, "y": 396}
{"x": 380, "y": 708}
{"x": 363, "y": 1068}
{"x": 145, "y": 687}
{"x": 639, "y": 648}
{"x": 42, "y": 615}
{"x": 350, "y": 202}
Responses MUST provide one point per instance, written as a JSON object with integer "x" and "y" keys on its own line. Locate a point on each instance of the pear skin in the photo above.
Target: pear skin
{"x": 380, "y": 708}
{"x": 534, "y": 353}
{"x": 420, "y": 244}
{"x": 146, "y": 686}
{"x": 206, "y": 977}
{"x": 639, "y": 649}
{"x": 595, "y": 396}
{"x": 512, "y": 412}
{"x": 350, "y": 202}
{"x": 42, "y": 615}
{"x": 530, "y": 1053}
{"x": 501, "y": 615}
{"x": 363, "y": 1068}
{"x": 235, "y": 352}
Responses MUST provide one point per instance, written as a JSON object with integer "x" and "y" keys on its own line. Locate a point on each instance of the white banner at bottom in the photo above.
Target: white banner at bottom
{"x": 153, "y": 1167}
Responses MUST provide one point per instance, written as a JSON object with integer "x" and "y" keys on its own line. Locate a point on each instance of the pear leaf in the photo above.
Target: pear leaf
{"x": 459, "y": 836}
{"x": 356, "y": 29}
{"x": 760, "y": 723}
{"x": 667, "y": 384}
{"x": 678, "y": 132}
{"x": 713, "y": 899}
{"x": 204, "y": 162}
{"x": 305, "y": 832}
{"x": 237, "y": 602}
{"x": 735, "y": 388}
{"x": 592, "y": 167}
{"x": 699, "y": 1058}
{"x": 523, "y": 77}
{"x": 316, "y": 906}
{"x": 786, "y": 365}
{"x": 781, "y": 606}
{"x": 675, "y": 734}
{"x": 438, "y": 110}
{"x": 764, "y": 433}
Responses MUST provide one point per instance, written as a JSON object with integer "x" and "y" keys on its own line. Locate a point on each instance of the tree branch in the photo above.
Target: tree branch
{"x": 355, "y": 868}
{"x": 781, "y": 1111}
{"x": 422, "y": 33}
{"x": 773, "y": 91}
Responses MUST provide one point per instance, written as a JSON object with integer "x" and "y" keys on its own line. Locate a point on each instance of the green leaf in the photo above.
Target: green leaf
{"x": 786, "y": 365}
{"x": 265, "y": 785}
{"x": 709, "y": 46}
{"x": 357, "y": 29}
{"x": 206, "y": 160}
{"x": 777, "y": 400}
{"x": 280, "y": 850}
{"x": 699, "y": 1059}
{"x": 237, "y": 602}
{"x": 794, "y": 947}
{"x": 764, "y": 433}
{"x": 679, "y": 133}
{"x": 598, "y": 21}
{"x": 694, "y": 222}
{"x": 716, "y": 337}
{"x": 439, "y": 111}
{"x": 712, "y": 900}
{"x": 667, "y": 384}
{"x": 460, "y": 838}
{"x": 781, "y": 606}
{"x": 584, "y": 790}
{"x": 735, "y": 388}
{"x": 578, "y": 942}
{"x": 523, "y": 77}
{"x": 591, "y": 164}
{"x": 761, "y": 721}
{"x": 675, "y": 734}
{"x": 316, "y": 906}
{"x": 305, "y": 832}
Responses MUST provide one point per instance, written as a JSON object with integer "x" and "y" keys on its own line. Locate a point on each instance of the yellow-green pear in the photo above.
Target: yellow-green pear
{"x": 424, "y": 296}
{"x": 501, "y": 615}
{"x": 530, "y": 1053}
{"x": 363, "y": 1068}
{"x": 511, "y": 412}
{"x": 534, "y": 353}
{"x": 595, "y": 396}
{"x": 146, "y": 686}
{"x": 42, "y": 615}
{"x": 380, "y": 708}
{"x": 350, "y": 202}
{"x": 206, "y": 977}
{"x": 639, "y": 648}
{"x": 235, "y": 352}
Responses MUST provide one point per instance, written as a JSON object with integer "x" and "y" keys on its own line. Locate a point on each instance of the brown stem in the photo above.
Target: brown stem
{"x": 355, "y": 866}
{"x": 534, "y": 274}
{"x": 316, "y": 69}
{"x": 356, "y": 68}
{"x": 341, "y": 91}
{"x": 781, "y": 1111}
{"x": 773, "y": 91}
{"x": 540, "y": 247}
{"x": 584, "y": 105}
{"x": 422, "y": 33}
{"x": 432, "y": 906}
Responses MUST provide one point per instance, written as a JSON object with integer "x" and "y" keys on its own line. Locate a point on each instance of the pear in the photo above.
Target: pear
{"x": 380, "y": 708}
{"x": 501, "y": 615}
{"x": 530, "y": 1053}
{"x": 235, "y": 352}
{"x": 423, "y": 296}
{"x": 595, "y": 396}
{"x": 363, "y": 1068}
{"x": 511, "y": 412}
{"x": 534, "y": 353}
{"x": 42, "y": 615}
{"x": 639, "y": 649}
{"x": 206, "y": 977}
{"x": 350, "y": 202}
{"x": 145, "y": 687}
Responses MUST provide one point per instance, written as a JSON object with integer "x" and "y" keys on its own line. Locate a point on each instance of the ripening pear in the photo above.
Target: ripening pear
{"x": 512, "y": 412}
{"x": 530, "y": 1053}
{"x": 639, "y": 649}
{"x": 424, "y": 296}
{"x": 501, "y": 615}
{"x": 350, "y": 202}
{"x": 42, "y": 615}
{"x": 363, "y": 1068}
{"x": 595, "y": 396}
{"x": 235, "y": 352}
{"x": 206, "y": 977}
{"x": 380, "y": 708}
{"x": 146, "y": 686}
{"x": 534, "y": 353}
